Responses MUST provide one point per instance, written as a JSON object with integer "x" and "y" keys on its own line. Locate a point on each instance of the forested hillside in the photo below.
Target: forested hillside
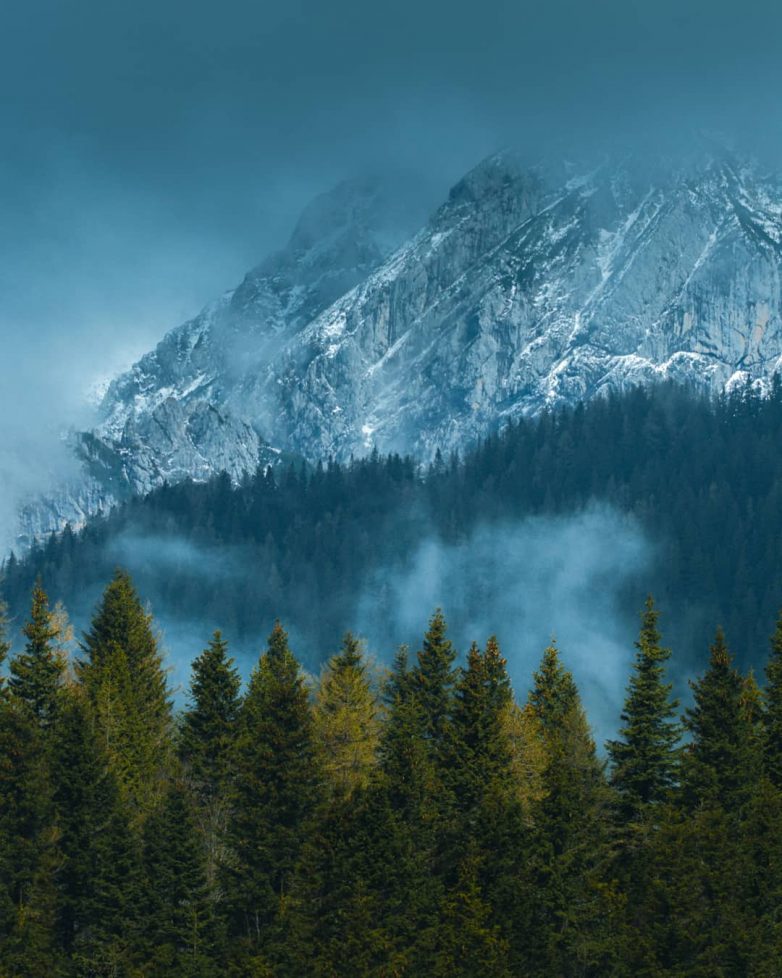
{"x": 422, "y": 823}
{"x": 702, "y": 479}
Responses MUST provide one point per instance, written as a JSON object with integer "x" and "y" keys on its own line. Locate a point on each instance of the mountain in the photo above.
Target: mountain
{"x": 529, "y": 287}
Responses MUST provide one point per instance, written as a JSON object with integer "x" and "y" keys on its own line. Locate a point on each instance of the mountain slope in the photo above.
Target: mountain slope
{"x": 527, "y": 288}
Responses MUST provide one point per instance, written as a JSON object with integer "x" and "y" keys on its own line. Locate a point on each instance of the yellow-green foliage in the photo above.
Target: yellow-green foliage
{"x": 528, "y": 754}
{"x": 347, "y": 721}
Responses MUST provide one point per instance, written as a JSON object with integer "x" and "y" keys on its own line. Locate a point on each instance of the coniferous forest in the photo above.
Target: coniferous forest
{"x": 416, "y": 821}
{"x": 701, "y": 477}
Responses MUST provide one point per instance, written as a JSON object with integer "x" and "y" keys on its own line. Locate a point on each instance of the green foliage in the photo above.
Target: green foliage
{"x": 209, "y": 723}
{"x": 275, "y": 797}
{"x": 37, "y": 672}
{"x": 177, "y": 929}
{"x": 645, "y": 760}
{"x": 347, "y": 721}
{"x": 447, "y": 832}
{"x": 123, "y": 676}
{"x": 772, "y": 716}
{"x": 721, "y": 762}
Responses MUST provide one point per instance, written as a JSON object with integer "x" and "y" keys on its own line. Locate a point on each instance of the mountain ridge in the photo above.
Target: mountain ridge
{"x": 529, "y": 287}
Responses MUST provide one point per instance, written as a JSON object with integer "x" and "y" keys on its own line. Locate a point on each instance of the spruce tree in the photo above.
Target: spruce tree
{"x": 207, "y": 742}
{"x": 37, "y": 672}
{"x": 29, "y": 855}
{"x": 772, "y": 716}
{"x": 177, "y": 925}
{"x": 5, "y": 645}
{"x": 209, "y": 723}
{"x": 720, "y": 761}
{"x": 571, "y": 915}
{"x": 124, "y": 679}
{"x": 433, "y": 679}
{"x": 347, "y": 724}
{"x": 275, "y": 796}
{"x": 98, "y": 884}
{"x": 645, "y": 759}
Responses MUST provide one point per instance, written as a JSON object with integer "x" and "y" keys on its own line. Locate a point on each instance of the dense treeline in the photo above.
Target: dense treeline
{"x": 703, "y": 478}
{"x": 417, "y": 823}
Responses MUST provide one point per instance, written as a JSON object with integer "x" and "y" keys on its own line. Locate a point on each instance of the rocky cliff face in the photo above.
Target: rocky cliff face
{"x": 527, "y": 288}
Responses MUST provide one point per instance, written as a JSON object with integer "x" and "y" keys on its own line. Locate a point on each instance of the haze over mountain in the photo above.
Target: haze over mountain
{"x": 531, "y": 286}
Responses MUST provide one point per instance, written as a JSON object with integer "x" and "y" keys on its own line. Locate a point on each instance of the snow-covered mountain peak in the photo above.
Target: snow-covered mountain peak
{"x": 529, "y": 286}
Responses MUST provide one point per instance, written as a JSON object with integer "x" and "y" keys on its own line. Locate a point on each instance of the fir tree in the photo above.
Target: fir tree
{"x": 347, "y": 722}
{"x": 772, "y": 716}
{"x": 571, "y": 917}
{"x": 719, "y": 762}
{"x": 209, "y": 723}
{"x": 207, "y": 741}
{"x": 37, "y": 672}
{"x": 645, "y": 758}
{"x": 275, "y": 796}
{"x": 177, "y": 926}
{"x": 5, "y": 645}
{"x": 434, "y": 678}
{"x": 126, "y": 684}
{"x": 98, "y": 880}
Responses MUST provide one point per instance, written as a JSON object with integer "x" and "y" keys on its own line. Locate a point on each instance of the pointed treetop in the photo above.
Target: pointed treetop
{"x": 554, "y": 693}
{"x": 349, "y": 656}
{"x": 5, "y": 645}
{"x": 37, "y": 672}
{"x": 434, "y": 675}
{"x": 772, "y": 715}
{"x": 645, "y": 758}
{"x": 721, "y": 761}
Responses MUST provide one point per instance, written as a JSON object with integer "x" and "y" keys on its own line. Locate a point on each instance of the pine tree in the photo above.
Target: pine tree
{"x": 433, "y": 679}
{"x": 209, "y": 723}
{"x": 275, "y": 796}
{"x": 29, "y": 855}
{"x": 554, "y": 695}
{"x": 126, "y": 684}
{"x": 5, "y": 645}
{"x": 346, "y": 717}
{"x": 572, "y": 914}
{"x": 645, "y": 759}
{"x": 98, "y": 880}
{"x": 176, "y": 927}
{"x": 773, "y": 708}
{"x": 37, "y": 672}
{"x": 720, "y": 761}
{"x": 207, "y": 741}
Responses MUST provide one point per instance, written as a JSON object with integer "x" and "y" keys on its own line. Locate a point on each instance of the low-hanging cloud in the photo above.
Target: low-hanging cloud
{"x": 580, "y": 578}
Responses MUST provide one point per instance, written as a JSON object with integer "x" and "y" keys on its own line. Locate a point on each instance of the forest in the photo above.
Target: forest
{"x": 420, "y": 820}
{"x": 701, "y": 477}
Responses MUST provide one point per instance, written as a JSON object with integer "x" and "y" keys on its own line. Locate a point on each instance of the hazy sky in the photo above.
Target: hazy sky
{"x": 153, "y": 150}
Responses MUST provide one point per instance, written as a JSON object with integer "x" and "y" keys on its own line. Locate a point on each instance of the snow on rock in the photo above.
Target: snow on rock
{"x": 527, "y": 288}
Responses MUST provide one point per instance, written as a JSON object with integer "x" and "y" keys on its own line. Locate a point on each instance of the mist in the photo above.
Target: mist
{"x": 153, "y": 153}
{"x": 578, "y": 579}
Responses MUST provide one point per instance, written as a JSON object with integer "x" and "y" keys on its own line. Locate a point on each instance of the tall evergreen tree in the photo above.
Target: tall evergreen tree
{"x": 347, "y": 721}
{"x": 773, "y": 708}
{"x": 572, "y": 914}
{"x": 29, "y": 855}
{"x": 720, "y": 762}
{"x": 5, "y": 645}
{"x": 434, "y": 677}
{"x": 177, "y": 924}
{"x": 209, "y": 723}
{"x": 124, "y": 678}
{"x": 645, "y": 758}
{"x": 98, "y": 882}
{"x": 37, "y": 672}
{"x": 275, "y": 796}
{"x": 207, "y": 743}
